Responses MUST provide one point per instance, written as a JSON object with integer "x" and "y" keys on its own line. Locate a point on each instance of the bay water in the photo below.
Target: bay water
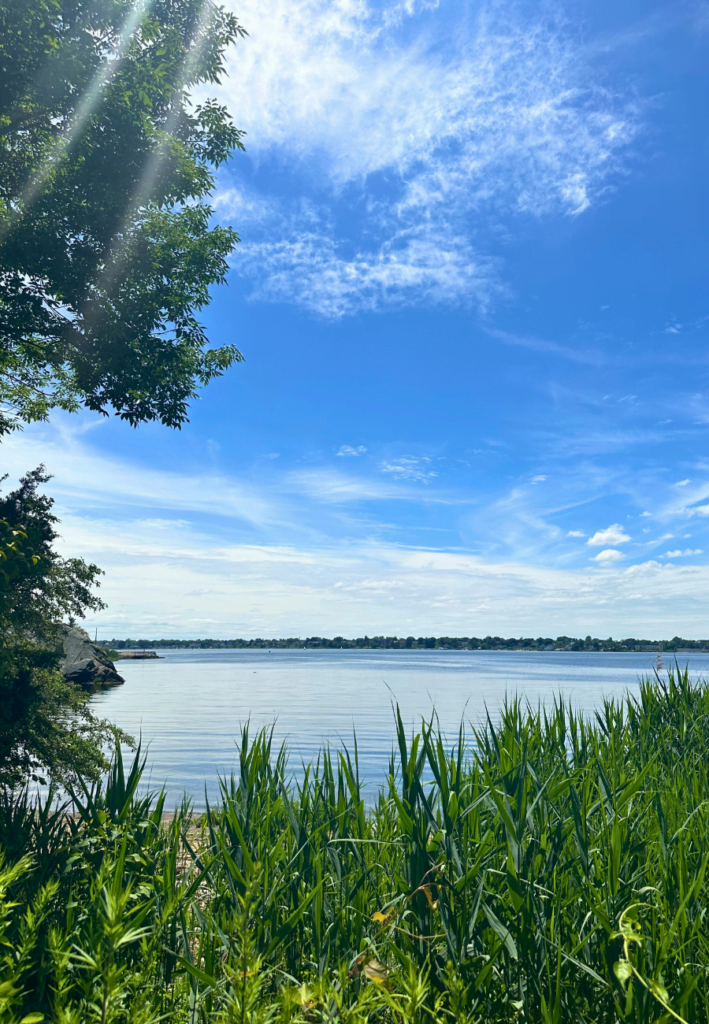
{"x": 189, "y": 705}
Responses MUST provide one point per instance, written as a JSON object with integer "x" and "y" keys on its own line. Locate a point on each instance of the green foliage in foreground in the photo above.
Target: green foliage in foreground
{"x": 46, "y": 726}
{"x": 552, "y": 871}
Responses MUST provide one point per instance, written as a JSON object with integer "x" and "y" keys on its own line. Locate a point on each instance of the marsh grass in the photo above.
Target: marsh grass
{"x": 552, "y": 869}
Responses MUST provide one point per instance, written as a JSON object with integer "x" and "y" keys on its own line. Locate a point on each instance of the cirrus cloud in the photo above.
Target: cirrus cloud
{"x": 347, "y": 450}
{"x": 411, "y": 130}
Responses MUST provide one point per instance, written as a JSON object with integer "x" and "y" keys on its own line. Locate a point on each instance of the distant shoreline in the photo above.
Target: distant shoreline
{"x": 677, "y": 645}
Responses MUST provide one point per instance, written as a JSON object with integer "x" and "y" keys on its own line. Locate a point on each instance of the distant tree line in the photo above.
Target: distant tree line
{"x": 445, "y": 643}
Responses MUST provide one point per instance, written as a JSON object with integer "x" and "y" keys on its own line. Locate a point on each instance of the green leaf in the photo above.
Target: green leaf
{"x": 659, "y": 990}
{"x": 206, "y": 979}
{"x": 623, "y": 971}
{"x": 500, "y": 930}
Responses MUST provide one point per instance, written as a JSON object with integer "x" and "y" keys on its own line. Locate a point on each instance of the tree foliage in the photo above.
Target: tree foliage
{"x": 45, "y": 724}
{"x": 106, "y": 250}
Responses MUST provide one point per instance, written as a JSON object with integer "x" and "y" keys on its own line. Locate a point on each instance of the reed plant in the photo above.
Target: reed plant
{"x": 545, "y": 867}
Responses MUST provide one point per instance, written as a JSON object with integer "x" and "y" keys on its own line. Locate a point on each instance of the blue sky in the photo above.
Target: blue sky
{"x": 471, "y": 294}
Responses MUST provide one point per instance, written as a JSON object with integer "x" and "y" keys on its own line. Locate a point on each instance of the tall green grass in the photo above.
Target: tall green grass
{"x": 547, "y": 868}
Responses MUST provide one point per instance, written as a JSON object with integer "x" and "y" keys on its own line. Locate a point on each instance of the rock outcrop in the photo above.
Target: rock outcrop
{"x": 86, "y": 664}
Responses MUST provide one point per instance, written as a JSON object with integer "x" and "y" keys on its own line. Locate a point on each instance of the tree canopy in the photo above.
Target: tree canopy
{"x": 107, "y": 253}
{"x": 45, "y": 724}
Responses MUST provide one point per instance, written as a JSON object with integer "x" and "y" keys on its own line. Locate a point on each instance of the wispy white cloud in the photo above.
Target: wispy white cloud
{"x": 687, "y": 499}
{"x": 584, "y": 354}
{"x": 186, "y": 552}
{"x": 409, "y": 468}
{"x": 339, "y": 83}
{"x": 412, "y": 265}
{"x": 331, "y": 486}
{"x": 176, "y": 581}
{"x": 592, "y": 441}
{"x": 348, "y": 450}
{"x": 247, "y": 206}
{"x": 424, "y": 123}
{"x": 682, "y": 554}
{"x": 614, "y": 534}
{"x": 85, "y": 475}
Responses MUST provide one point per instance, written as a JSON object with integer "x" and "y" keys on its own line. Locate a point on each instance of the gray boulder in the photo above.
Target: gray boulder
{"x": 86, "y": 664}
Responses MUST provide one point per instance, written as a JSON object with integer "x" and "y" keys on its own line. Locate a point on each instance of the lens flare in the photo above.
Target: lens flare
{"x": 118, "y": 251}
{"x": 86, "y": 107}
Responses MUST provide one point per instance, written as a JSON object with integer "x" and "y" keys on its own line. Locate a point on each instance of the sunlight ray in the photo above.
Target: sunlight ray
{"x": 118, "y": 252}
{"x": 86, "y": 107}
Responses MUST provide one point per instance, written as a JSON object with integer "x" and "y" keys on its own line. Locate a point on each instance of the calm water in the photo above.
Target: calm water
{"x": 190, "y": 705}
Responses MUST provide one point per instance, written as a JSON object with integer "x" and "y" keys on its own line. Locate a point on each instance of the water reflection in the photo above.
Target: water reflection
{"x": 190, "y": 705}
